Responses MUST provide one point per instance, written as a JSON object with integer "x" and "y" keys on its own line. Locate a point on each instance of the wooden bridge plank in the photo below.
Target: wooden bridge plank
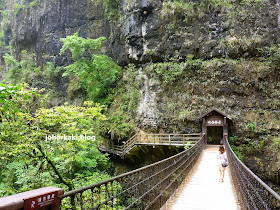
{"x": 203, "y": 191}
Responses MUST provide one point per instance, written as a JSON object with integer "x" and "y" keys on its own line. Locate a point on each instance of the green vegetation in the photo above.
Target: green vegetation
{"x": 277, "y": 142}
{"x": 4, "y": 23}
{"x": 21, "y": 71}
{"x": 273, "y": 54}
{"x": 252, "y": 126}
{"x": 30, "y": 160}
{"x": 1, "y": 5}
{"x": 109, "y": 4}
{"x": 236, "y": 150}
{"x": 96, "y": 72}
{"x": 1, "y": 38}
{"x": 22, "y": 5}
{"x": 92, "y": 72}
{"x": 111, "y": 7}
{"x": 1, "y": 19}
{"x": 247, "y": 145}
{"x": 250, "y": 145}
{"x": 248, "y": 2}
{"x": 188, "y": 145}
{"x": 51, "y": 71}
{"x": 26, "y": 70}
{"x": 174, "y": 10}
{"x": 188, "y": 10}
{"x": 122, "y": 113}
{"x": 169, "y": 72}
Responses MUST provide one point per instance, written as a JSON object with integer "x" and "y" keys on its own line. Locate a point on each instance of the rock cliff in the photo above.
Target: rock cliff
{"x": 144, "y": 31}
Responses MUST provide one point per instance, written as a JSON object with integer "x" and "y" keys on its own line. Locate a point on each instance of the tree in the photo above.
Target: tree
{"x": 24, "y": 70}
{"x": 97, "y": 72}
{"x": 29, "y": 160}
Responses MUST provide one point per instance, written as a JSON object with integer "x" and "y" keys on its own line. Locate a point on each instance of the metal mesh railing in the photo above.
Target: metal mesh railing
{"x": 145, "y": 188}
{"x": 252, "y": 192}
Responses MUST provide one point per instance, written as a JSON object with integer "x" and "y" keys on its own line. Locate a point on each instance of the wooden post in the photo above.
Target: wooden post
{"x": 225, "y": 130}
{"x": 204, "y": 130}
{"x": 169, "y": 140}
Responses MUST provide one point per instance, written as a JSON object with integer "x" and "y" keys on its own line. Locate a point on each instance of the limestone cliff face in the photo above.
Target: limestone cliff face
{"x": 221, "y": 54}
{"x": 148, "y": 30}
{"x": 38, "y": 29}
{"x": 157, "y": 30}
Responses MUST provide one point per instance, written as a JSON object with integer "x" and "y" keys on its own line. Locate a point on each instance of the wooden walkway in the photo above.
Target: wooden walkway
{"x": 203, "y": 191}
{"x": 151, "y": 140}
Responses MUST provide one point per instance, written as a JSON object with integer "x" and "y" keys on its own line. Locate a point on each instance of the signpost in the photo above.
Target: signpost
{"x": 43, "y": 198}
{"x": 40, "y": 201}
{"x": 215, "y": 121}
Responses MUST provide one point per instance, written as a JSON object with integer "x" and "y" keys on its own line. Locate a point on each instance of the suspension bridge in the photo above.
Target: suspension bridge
{"x": 187, "y": 180}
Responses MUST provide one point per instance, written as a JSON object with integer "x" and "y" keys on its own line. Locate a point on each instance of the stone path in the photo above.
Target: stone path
{"x": 203, "y": 191}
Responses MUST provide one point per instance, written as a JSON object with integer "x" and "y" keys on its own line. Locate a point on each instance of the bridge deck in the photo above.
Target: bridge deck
{"x": 203, "y": 189}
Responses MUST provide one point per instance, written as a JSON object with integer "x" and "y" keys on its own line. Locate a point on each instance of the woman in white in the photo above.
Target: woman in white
{"x": 223, "y": 162}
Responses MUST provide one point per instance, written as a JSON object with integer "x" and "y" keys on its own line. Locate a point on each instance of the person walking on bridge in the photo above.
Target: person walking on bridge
{"x": 222, "y": 162}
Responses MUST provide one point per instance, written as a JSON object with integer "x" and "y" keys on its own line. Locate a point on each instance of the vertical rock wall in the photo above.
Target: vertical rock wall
{"x": 146, "y": 30}
{"x": 38, "y": 29}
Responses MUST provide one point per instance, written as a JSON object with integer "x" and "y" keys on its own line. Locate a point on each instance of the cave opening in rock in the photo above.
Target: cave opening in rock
{"x": 145, "y": 12}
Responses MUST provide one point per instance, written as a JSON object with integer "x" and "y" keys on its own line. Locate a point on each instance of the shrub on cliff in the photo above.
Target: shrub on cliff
{"x": 96, "y": 72}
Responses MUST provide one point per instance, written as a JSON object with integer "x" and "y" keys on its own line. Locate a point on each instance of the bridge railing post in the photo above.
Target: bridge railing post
{"x": 169, "y": 139}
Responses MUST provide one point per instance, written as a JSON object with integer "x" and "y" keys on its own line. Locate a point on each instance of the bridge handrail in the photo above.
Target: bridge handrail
{"x": 263, "y": 197}
{"x": 147, "y": 188}
{"x": 150, "y": 138}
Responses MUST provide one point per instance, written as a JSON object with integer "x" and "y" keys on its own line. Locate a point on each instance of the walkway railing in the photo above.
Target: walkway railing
{"x": 151, "y": 139}
{"x": 145, "y": 188}
{"x": 168, "y": 139}
{"x": 251, "y": 191}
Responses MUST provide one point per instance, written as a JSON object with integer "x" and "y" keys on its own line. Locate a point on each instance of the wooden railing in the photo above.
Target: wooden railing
{"x": 168, "y": 139}
{"x": 151, "y": 139}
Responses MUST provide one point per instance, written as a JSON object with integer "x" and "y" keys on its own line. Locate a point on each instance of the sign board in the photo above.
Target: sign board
{"x": 40, "y": 201}
{"x": 214, "y": 121}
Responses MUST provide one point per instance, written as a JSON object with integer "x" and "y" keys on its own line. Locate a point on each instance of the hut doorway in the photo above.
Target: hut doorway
{"x": 214, "y": 135}
{"x": 215, "y": 126}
